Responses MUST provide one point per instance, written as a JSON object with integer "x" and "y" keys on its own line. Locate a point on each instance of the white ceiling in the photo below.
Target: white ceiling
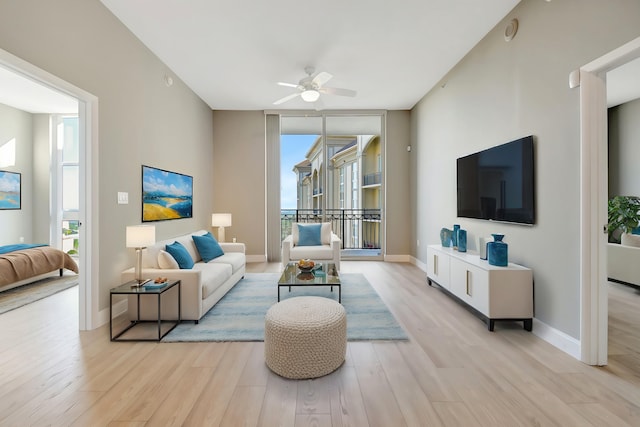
{"x": 233, "y": 53}
{"x": 233, "y": 59}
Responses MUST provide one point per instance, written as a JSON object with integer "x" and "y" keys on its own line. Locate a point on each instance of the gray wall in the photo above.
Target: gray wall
{"x": 141, "y": 120}
{"x": 397, "y": 195}
{"x": 624, "y": 149}
{"x": 239, "y": 175}
{"x": 505, "y": 90}
{"x": 18, "y": 125}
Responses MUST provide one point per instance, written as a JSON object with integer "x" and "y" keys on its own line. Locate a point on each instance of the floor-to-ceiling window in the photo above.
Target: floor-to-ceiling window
{"x": 336, "y": 161}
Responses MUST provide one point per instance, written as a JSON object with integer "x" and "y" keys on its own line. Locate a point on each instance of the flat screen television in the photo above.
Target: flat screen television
{"x": 498, "y": 183}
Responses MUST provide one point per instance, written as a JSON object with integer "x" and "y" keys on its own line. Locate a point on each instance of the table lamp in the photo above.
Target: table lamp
{"x": 139, "y": 237}
{"x": 221, "y": 220}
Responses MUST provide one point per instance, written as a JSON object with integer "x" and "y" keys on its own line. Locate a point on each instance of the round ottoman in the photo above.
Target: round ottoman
{"x": 305, "y": 337}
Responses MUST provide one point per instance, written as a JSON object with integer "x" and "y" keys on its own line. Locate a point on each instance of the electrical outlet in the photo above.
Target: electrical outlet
{"x": 418, "y": 242}
{"x": 21, "y": 239}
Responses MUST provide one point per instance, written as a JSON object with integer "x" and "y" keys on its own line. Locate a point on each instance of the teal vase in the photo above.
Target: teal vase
{"x": 498, "y": 251}
{"x": 462, "y": 240}
{"x": 445, "y": 237}
{"x": 454, "y": 236}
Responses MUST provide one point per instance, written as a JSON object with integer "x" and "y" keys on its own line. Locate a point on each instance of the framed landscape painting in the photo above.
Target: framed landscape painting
{"x": 10, "y": 190}
{"x": 166, "y": 195}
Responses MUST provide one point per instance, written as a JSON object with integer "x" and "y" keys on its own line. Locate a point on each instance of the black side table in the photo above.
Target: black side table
{"x": 129, "y": 288}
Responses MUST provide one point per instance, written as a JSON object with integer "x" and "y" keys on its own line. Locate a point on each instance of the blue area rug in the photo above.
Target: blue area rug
{"x": 239, "y": 315}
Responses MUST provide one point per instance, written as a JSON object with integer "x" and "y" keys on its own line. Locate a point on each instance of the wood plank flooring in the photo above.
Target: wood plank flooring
{"x": 452, "y": 371}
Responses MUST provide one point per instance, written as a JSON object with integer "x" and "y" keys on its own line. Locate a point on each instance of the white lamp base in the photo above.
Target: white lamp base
{"x": 220, "y": 234}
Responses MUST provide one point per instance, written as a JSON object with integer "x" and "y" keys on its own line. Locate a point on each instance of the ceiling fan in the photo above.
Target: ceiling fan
{"x": 310, "y": 87}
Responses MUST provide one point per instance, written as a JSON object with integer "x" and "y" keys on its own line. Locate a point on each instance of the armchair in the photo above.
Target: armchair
{"x": 328, "y": 250}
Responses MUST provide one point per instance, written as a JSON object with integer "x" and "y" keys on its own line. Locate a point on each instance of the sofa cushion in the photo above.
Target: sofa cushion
{"x": 236, "y": 260}
{"x": 212, "y": 276}
{"x": 208, "y": 247}
{"x": 166, "y": 261}
{"x": 309, "y": 234}
{"x": 628, "y": 239}
{"x": 180, "y": 254}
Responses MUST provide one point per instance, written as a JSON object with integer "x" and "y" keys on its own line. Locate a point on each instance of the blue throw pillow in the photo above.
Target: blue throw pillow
{"x": 309, "y": 234}
{"x": 208, "y": 247}
{"x": 180, "y": 254}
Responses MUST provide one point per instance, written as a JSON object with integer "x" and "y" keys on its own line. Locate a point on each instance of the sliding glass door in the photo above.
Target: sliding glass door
{"x": 331, "y": 170}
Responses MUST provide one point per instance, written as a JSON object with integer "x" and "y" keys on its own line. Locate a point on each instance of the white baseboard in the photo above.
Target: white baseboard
{"x": 118, "y": 308}
{"x": 397, "y": 258}
{"x": 421, "y": 265}
{"x": 257, "y": 258}
{"x": 557, "y": 338}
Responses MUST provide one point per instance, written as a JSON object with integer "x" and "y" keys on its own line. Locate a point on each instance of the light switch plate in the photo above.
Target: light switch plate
{"x": 123, "y": 198}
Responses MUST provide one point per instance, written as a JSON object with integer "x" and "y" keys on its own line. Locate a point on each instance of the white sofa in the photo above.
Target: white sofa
{"x": 202, "y": 286}
{"x": 623, "y": 260}
{"x": 328, "y": 251}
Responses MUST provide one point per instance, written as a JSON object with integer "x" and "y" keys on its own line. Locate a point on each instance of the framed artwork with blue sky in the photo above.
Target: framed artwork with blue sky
{"x": 166, "y": 195}
{"x": 10, "y": 190}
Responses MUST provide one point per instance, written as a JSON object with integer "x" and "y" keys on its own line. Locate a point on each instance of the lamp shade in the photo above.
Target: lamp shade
{"x": 140, "y": 236}
{"x": 221, "y": 220}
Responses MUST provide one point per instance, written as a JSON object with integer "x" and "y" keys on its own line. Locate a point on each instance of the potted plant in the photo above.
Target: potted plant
{"x": 623, "y": 215}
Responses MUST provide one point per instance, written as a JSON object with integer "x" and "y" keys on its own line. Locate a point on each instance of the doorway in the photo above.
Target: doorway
{"x": 87, "y": 109}
{"x": 594, "y": 195}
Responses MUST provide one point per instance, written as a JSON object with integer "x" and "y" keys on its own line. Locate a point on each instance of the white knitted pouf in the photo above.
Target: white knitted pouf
{"x": 305, "y": 337}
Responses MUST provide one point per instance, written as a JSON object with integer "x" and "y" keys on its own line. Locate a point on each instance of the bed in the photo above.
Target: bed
{"x": 25, "y": 263}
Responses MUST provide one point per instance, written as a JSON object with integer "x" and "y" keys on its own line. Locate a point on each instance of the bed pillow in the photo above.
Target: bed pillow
{"x": 309, "y": 234}
{"x": 208, "y": 247}
{"x": 180, "y": 254}
{"x": 166, "y": 261}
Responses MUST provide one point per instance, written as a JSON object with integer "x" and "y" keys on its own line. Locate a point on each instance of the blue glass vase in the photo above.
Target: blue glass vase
{"x": 445, "y": 237}
{"x": 498, "y": 251}
{"x": 462, "y": 240}
{"x": 454, "y": 236}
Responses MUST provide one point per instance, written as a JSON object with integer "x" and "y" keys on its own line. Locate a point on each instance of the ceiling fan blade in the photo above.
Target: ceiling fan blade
{"x": 338, "y": 91}
{"x": 286, "y": 98}
{"x": 287, "y": 84}
{"x": 321, "y": 78}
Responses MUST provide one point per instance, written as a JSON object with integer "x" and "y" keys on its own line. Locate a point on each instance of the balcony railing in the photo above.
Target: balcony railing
{"x": 372, "y": 179}
{"x": 357, "y": 228}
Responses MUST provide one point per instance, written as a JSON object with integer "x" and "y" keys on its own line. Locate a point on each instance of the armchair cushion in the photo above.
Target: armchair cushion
{"x": 309, "y": 235}
{"x": 180, "y": 254}
{"x": 325, "y": 233}
{"x": 207, "y": 246}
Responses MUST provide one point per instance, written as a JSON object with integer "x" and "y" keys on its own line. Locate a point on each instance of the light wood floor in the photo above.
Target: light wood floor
{"x": 452, "y": 372}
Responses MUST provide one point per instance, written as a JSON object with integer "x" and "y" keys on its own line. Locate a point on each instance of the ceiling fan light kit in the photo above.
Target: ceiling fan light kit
{"x": 310, "y": 87}
{"x": 310, "y": 95}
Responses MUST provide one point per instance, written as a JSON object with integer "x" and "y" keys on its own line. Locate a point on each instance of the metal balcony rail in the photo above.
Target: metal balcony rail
{"x": 357, "y": 228}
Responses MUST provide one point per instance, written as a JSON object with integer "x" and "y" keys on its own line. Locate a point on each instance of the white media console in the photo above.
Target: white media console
{"x": 496, "y": 293}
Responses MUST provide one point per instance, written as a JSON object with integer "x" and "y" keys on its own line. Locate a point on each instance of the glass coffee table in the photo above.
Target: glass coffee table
{"x": 326, "y": 275}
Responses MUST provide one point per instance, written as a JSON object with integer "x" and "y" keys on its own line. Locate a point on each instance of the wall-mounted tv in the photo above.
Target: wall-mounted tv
{"x": 498, "y": 183}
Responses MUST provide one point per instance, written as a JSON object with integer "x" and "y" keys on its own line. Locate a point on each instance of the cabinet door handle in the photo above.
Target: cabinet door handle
{"x": 468, "y": 283}
{"x": 435, "y": 264}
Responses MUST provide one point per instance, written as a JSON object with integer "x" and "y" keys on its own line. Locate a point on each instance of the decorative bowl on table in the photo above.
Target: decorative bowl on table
{"x": 305, "y": 265}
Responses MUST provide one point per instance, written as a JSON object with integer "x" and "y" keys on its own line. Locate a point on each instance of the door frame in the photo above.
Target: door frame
{"x": 593, "y": 199}
{"x": 88, "y": 191}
